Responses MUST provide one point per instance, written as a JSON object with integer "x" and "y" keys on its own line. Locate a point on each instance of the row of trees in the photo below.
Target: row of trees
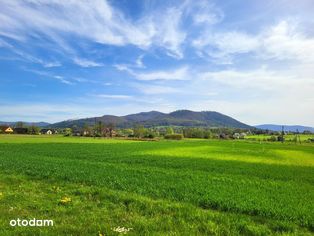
{"x": 101, "y": 129}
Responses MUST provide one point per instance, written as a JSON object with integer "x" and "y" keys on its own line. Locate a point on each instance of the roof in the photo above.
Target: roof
{"x": 4, "y": 127}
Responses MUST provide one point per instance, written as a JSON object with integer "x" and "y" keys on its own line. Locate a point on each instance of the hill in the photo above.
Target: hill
{"x": 155, "y": 118}
{"x": 292, "y": 128}
{"x": 12, "y": 123}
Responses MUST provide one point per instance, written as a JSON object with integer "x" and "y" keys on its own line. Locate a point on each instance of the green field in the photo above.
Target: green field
{"x": 189, "y": 187}
{"x": 288, "y": 137}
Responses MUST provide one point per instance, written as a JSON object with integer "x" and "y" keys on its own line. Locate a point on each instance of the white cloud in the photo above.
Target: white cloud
{"x": 222, "y": 45}
{"x": 123, "y": 67}
{"x": 284, "y": 41}
{"x": 113, "y": 96}
{"x": 52, "y": 64}
{"x": 263, "y": 80}
{"x": 261, "y": 95}
{"x": 204, "y": 12}
{"x": 181, "y": 73}
{"x": 139, "y": 62}
{"x": 169, "y": 33}
{"x": 86, "y": 63}
{"x": 4, "y": 44}
{"x": 156, "y": 89}
{"x": 99, "y": 22}
{"x": 27, "y": 56}
{"x": 50, "y": 75}
{"x": 176, "y": 74}
{"x": 95, "y": 20}
{"x": 264, "y": 111}
{"x": 127, "y": 67}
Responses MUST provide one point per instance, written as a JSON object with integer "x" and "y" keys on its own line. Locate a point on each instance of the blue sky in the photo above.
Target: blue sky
{"x": 252, "y": 60}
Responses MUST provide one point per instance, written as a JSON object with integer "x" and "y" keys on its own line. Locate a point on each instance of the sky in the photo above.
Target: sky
{"x": 249, "y": 59}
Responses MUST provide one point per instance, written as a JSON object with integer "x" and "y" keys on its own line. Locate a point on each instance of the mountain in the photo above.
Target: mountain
{"x": 155, "y": 118}
{"x": 292, "y": 128}
{"x": 39, "y": 124}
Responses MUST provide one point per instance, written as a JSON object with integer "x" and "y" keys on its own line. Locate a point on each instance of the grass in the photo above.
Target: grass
{"x": 169, "y": 187}
{"x": 288, "y": 137}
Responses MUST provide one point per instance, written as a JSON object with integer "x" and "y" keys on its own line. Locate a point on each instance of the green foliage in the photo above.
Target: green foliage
{"x": 169, "y": 130}
{"x": 139, "y": 131}
{"x": 174, "y": 136}
{"x": 272, "y": 138}
{"x": 125, "y": 133}
{"x": 67, "y": 132}
{"x": 33, "y": 129}
{"x": 19, "y": 124}
{"x": 197, "y": 133}
{"x": 149, "y": 133}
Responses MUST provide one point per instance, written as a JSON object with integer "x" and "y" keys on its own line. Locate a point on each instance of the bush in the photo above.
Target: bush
{"x": 174, "y": 136}
{"x": 272, "y": 138}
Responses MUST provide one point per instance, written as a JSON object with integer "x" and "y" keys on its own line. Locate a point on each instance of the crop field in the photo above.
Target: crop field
{"x": 93, "y": 186}
{"x": 288, "y": 137}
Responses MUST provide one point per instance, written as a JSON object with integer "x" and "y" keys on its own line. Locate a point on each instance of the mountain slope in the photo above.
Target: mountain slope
{"x": 292, "y": 128}
{"x": 39, "y": 124}
{"x": 155, "y": 118}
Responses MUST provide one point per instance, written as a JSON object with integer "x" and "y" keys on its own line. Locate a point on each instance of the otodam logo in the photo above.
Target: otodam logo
{"x": 32, "y": 222}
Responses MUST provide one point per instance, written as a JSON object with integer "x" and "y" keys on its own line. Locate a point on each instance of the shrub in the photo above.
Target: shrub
{"x": 151, "y": 135}
{"x": 272, "y": 138}
{"x": 174, "y": 136}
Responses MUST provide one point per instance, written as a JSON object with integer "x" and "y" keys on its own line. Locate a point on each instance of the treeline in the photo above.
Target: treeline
{"x": 101, "y": 129}
{"x": 21, "y": 128}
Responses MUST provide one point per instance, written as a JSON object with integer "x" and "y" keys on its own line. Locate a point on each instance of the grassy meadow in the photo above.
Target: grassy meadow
{"x": 93, "y": 186}
{"x": 288, "y": 137}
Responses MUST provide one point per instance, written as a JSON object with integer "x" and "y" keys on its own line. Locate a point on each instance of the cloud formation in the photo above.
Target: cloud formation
{"x": 282, "y": 41}
{"x": 193, "y": 54}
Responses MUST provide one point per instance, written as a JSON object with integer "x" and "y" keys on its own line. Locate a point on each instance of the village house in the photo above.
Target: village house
{"x": 77, "y": 131}
{"x": 6, "y": 129}
{"x": 48, "y": 131}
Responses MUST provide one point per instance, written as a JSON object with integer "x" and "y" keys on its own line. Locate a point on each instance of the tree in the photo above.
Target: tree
{"x": 67, "y": 132}
{"x": 98, "y": 129}
{"x": 207, "y": 134}
{"x": 19, "y": 124}
{"x": 169, "y": 130}
{"x": 110, "y": 128}
{"x": 139, "y": 131}
{"x": 86, "y": 130}
{"x": 150, "y": 133}
{"x": 33, "y": 129}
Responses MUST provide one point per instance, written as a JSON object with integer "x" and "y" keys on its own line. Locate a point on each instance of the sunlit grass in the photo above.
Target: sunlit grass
{"x": 191, "y": 186}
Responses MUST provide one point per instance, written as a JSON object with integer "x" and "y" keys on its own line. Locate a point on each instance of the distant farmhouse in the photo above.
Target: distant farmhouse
{"x": 48, "y": 131}
{"x": 6, "y": 129}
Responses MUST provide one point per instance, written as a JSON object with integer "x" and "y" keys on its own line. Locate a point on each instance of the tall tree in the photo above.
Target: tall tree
{"x": 19, "y": 124}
